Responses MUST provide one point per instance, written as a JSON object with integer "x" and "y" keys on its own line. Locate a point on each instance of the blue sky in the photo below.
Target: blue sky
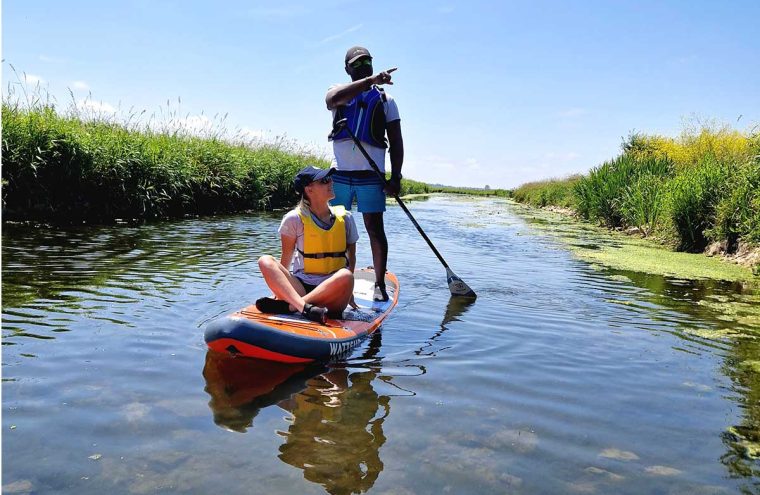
{"x": 495, "y": 93}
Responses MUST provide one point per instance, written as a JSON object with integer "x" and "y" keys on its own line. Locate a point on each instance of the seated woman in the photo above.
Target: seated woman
{"x": 321, "y": 242}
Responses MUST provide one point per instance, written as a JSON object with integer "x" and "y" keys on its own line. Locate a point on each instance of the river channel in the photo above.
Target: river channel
{"x": 563, "y": 377}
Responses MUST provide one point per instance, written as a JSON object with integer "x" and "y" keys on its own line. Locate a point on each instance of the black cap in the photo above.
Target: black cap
{"x": 308, "y": 175}
{"x": 355, "y": 53}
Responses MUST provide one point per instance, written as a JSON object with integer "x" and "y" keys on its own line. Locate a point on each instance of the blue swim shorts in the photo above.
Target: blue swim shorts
{"x": 366, "y": 187}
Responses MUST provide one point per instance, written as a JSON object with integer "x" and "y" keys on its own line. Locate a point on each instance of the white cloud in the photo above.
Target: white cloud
{"x": 95, "y": 107}
{"x": 341, "y": 34}
{"x": 32, "y": 80}
{"x": 80, "y": 86}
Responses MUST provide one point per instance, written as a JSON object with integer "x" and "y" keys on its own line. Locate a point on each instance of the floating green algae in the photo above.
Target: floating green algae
{"x": 631, "y": 253}
{"x": 748, "y": 444}
{"x": 634, "y": 256}
{"x": 751, "y": 364}
{"x": 721, "y": 299}
{"x": 711, "y": 333}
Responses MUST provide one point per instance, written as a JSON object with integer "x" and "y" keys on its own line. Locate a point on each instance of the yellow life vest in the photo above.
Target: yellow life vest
{"x": 324, "y": 251}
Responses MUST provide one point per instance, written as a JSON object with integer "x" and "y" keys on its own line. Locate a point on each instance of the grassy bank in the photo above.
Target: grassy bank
{"x": 552, "y": 192}
{"x": 699, "y": 188}
{"x": 59, "y": 167}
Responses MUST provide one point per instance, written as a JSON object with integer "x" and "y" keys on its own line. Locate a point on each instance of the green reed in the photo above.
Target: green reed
{"x": 624, "y": 192}
{"x": 552, "y": 192}
{"x": 63, "y": 167}
{"x": 737, "y": 215}
{"x": 698, "y": 188}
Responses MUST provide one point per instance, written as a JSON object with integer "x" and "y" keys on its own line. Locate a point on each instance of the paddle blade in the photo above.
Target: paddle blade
{"x": 457, "y": 287}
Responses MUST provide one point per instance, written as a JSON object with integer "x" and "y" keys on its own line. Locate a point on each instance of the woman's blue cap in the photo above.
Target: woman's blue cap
{"x": 308, "y": 175}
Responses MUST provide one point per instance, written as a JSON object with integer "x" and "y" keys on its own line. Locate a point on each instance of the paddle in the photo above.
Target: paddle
{"x": 456, "y": 285}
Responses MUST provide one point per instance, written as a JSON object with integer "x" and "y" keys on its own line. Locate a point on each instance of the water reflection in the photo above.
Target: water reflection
{"x": 455, "y": 309}
{"x": 720, "y": 316}
{"x": 724, "y": 317}
{"x": 240, "y": 388}
{"x": 336, "y": 430}
{"x": 742, "y": 440}
{"x": 336, "y": 416}
{"x": 567, "y": 358}
{"x": 70, "y": 267}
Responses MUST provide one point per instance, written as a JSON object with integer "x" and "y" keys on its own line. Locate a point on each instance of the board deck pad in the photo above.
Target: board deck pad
{"x": 293, "y": 338}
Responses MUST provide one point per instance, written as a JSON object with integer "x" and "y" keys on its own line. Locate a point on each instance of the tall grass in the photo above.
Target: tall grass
{"x": 624, "y": 191}
{"x": 62, "y": 167}
{"x": 694, "y": 195}
{"x": 700, "y": 187}
{"x": 552, "y": 192}
{"x": 737, "y": 214}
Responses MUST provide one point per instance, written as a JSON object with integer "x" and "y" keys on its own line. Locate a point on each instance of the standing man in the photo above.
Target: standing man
{"x": 372, "y": 115}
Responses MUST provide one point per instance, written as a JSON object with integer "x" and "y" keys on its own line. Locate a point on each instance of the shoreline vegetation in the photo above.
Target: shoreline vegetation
{"x": 697, "y": 193}
{"x": 73, "y": 168}
{"x": 79, "y": 167}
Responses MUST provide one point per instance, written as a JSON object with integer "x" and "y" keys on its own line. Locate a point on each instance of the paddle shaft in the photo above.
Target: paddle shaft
{"x": 395, "y": 196}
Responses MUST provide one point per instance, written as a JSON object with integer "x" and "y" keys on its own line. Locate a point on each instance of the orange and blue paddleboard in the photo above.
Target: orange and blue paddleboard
{"x": 291, "y": 338}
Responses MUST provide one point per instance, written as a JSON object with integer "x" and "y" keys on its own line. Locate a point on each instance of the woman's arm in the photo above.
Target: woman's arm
{"x": 351, "y": 256}
{"x": 288, "y": 247}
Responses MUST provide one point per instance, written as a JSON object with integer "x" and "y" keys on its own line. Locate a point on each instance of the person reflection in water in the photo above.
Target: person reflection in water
{"x": 336, "y": 416}
{"x": 336, "y": 432}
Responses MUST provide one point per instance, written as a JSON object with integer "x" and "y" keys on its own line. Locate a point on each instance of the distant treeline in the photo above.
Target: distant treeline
{"x": 63, "y": 167}
{"x": 414, "y": 187}
{"x": 698, "y": 188}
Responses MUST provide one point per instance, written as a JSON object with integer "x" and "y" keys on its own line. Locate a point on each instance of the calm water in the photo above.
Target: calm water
{"x": 561, "y": 378}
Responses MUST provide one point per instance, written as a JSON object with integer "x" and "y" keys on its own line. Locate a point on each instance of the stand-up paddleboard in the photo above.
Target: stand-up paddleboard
{"x": 291, "y": 338}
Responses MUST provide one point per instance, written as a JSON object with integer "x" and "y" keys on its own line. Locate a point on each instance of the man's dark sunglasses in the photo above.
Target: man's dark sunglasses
{"x": 326, "y": 180}
{"x": 360, "y": 62}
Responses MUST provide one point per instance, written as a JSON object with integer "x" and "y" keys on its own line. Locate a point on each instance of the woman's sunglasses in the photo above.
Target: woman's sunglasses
{"x": 326, "y": 180}
{"x": 360, "y": 62}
